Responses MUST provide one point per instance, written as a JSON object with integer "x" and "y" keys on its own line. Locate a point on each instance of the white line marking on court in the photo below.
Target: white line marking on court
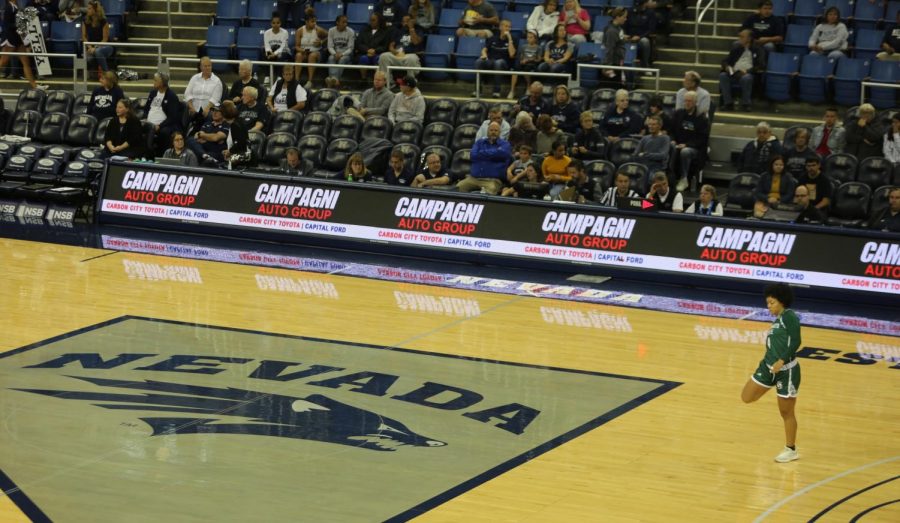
{"x": 804, "y": 490}
{"x": 745, "y": 316}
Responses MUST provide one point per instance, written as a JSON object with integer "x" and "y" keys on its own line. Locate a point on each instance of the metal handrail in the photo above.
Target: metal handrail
{"x": 715, "y": 26}
{"x": 864, "y": 84}
{"x": 477, "y": 73}
{"x": 655, "y": 71}
{"x": 72, "y": 56}
{"x": 84, "y": 46}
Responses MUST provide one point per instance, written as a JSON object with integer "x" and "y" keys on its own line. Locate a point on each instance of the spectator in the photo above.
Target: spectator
{"x": 795, "y": 157}
{"x": 579, "y": 188}
{"x": 661, "y": 195}
{"x": 422, "y": 13}
{"x": 588, "y": 143}
{"x": 252, "y": 115}
{"x": 553, "y": 168}
{"x": 523, "y": 133}
{"x": 768, "y": 30}
{"x": 497, "y": 54}
{"x": 757, "y": 154}
{"x": 341, "y": 41}
{"x": 558, "y": 53}
{"x": 478, "y": 20}
{"x": 494, "y": 115}
{"x": 864, "y": 134}
{"x": 47, "y": 10}
{"x": 528, "y": 174}
{"x": 808, "y": 213}
{"x": 71, "y": 10}
{"x": 889, "y": 219}
{"x": 356, "y": 170}
{"x": 245, "y": 79}
{"x": 829, "y": 138}
{"x": 620, "y": 120}
{"x": 529, "y": 57}
{"x": 163, "y": 110}
{"x": 691, "y": 83}
{"x": 563, "y": 111}
{"x": 576, "y": 20}
{"x": 398, "y": 173}
{"x": 774, "y": 186}
{"x": 291, "y": 164}
{"x": 891, "y": 42}
{"x": 433, "y": 174}
{"x": 543, "y": 20}
{"x": 209, "y": 142}
{"x": 404, "y": 50}
{"x": 490, "y": 157}
{"x": 533, "y": 103}
{"x": 392, "y": 11}
{"x": 95, "y": 28}
{"x": 690, "y": 135}
{"x": 408, "y": 104}
{"x": 516, "y": 170}
{"x": 237, "y": 144}
{"x": 204, "y": 90}
{"x": 742, "y": 65}
{"x": 653, "y": 149}
{"x": 614, "y": 42}
{"x": 376, "y": 100}
{"x": 640, "y": 27}
{"x": 180, "y": 151}
{"x": 276, "y": 46}
{"x": 892, "y": 140}
{"x": 707, "y": 205}
{"x": 124, "y": 136}
{"x": 830, "y": 37}
{"x": 818, "y": 186}
{"x": 11, "y": 41}
{"x": 287, "y": 93}
{"x": 620, "y": 189}
{"x": 308, "y": 47}
{"x": 372, "y": 42}
{"x": 105, "y": 97}
{"x": 655, "y": 108}
{"x": 547, "y": 134}
{"x": 291, "y": 9}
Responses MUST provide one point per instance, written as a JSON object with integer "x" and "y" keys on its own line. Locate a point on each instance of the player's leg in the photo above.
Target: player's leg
{"x": 753, "y": 391}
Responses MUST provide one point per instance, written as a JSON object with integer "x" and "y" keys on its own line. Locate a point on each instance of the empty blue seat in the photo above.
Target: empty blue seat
{"x": 358, "y": 15}
{"x": 812, "y": 82}
{"x": 468, "y": 49}
{"x": 250, "y": 43}
{"x": 782, "y": 8}
{"x": 796, "y": 39}
{"x": 868, "y": 43}
{"x": 115, "y": 11}
{"x": 844, "y": 6}
{"x": 885, "y": 72}
{"x": 600, "y": 22}
{"x": 259, "y": 13}
{"x": 518, "y": 21}
{"x": 438, "y": 50}
{"x": 220, "y": 40}
{"x": 628, "y": 4}
{"x": 327, "y": 13}
{"x": 65, "y": 37}
{"x": 231, "y": 12}
{"x": 588, "y": 77}
{"x": 847, "y": 78}
{"x": 806, "y": 11}
{"x": 449, "y": 21}
{"x": 867, "y": 15}
{"x": 890, "y": 15}
{"x": 780, "y": 74}
{"x": 595, "y": 6}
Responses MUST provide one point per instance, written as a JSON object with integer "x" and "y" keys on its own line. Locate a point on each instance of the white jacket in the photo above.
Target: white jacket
{"x": 542, "y": 23}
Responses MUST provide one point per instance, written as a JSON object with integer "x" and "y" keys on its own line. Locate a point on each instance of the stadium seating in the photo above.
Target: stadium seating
{"x": 780, "y": 74}
{"x": 867, "y": 43}
{"x": 220, "y": 40}
{"x": 848, "y": 76}
{"x": 259, "y": 13}
{"x": 59, "y": 102}
{"x": 850, "y": 205}
{"x": 473, "y": 112}
{"x": 316, "y": 122}
{"x": 231, "y": 13}
{"x": 312, "y": 148}
{"x": 337, "y": 153}
{"x": 276, "y": 145}
{"x": 436, "y": 133}
{"x": 463, "y": 137}
{"x": 444, "y": 152}
{"x": 327, "y": 13}
{"x": 249, "y": 44}
{"x": 376, "y": 127}
{"x": 875, "y": 172}
{"x": 407, "y": 132}
{"x": 796, "y": 40}
{"x": 346, "y": 126}
{"x": 411, "y": 154}
{"x": 438, "y": 51}
{"x": 468, "y": 50}
{"x": 812, "y": 82}
{"x": 461, "y": 164}
{"x": 740, "y": 193}
{"x": 841, "y": 167}
{"x": 442, "y": 110}
{"x": 288, "y": 121}
{"x": 866, "y": 15}
{"x": 358, "y": 15}
{"x": 885, "y": 72}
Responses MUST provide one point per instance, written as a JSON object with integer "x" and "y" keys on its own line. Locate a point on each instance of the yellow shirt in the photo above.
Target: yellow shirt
{"x": 775, "y": 190}
{"x": 553, "y": 167}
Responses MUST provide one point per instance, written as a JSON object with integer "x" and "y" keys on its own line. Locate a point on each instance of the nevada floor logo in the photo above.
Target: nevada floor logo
{"x": 315, "y": 430}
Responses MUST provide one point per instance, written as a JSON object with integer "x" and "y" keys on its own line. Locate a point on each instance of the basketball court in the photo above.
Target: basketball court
{"x": 142, "y": 382}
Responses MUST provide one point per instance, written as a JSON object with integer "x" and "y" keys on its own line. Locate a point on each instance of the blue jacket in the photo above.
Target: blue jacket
{"x": 489, "y": 160}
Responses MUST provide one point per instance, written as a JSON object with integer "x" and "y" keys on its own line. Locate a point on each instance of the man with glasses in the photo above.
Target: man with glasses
{"x": 808, "y": 213}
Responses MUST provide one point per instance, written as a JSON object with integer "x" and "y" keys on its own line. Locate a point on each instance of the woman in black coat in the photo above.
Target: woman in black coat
{"x": 237, "y": 152}
{"x": 124, "y": 134}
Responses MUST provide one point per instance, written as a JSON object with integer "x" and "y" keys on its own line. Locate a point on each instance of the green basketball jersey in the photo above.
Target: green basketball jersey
{"x": 783, "y": 339}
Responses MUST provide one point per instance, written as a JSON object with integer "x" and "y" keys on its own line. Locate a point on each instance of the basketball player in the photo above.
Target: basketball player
{"x": 779, "y": 367}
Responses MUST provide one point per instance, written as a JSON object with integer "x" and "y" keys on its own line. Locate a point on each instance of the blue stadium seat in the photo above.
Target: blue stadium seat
{"x": 812, "y": 83}
{"x": 438, "y": 50}
{"x": 844, "y": 6}
{"x": 468, "y": 49}
{"x": 65, "y": 37}
{"x": 868, "y": 43}
{"x": 589, "y": 76}
{"x": 867, "y": 15}
{"x": 220, "y": 40}
{"x": 847, "y": 77}
{"x": 259, "y": 13}
{"x": 518, "y": 21}
{"x": 627, "y": 4}
{"x": 250, "y": 43}
{"x": 231, "y": 13}
{"x": 631, "y": 51}
{"x": 796, "y": 40}
{"x": 885, "y": 72}
{"x": 327, "y": 13}
{"x": 780, "y": 74}
{"x": 782, "y": 8}
{"x": 358, "y": 15}
{"x": 595, "y": 6}
{"x": 449, "y": 21}
{"x": 115, "y": 11}
{"x": 806, "y": 11}
{"x": 600, "y": 22}
{"x": 890, "y": 15}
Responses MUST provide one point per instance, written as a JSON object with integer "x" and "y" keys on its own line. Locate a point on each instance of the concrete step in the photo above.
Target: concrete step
{"x": 706, "y": 43}
{"x": 187, "y": 6}
{"x": 175, "y": 46}
{"x": 160, "y": 33}
{"x": 161, "y": 18}
{"x": 677, "y": 69}
{"x": 136, "y": 58}
{"x": 707, "y": 27}
{"x": 730, "y": 16}
{"x": 685, "y": 57}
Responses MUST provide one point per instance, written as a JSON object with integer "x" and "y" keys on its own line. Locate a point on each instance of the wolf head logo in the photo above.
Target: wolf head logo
{"x": 314, "y": 417}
